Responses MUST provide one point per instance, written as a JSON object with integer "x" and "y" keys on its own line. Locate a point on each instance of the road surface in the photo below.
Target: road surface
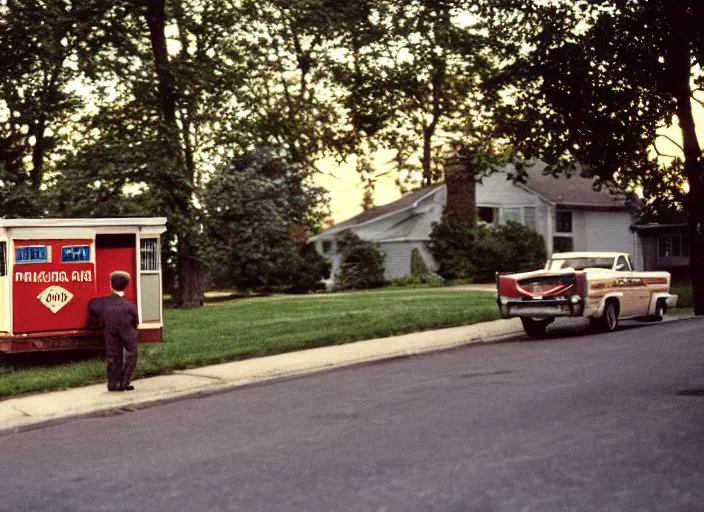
{"x": 607, "y": 422}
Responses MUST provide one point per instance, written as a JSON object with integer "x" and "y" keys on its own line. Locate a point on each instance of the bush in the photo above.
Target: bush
{"x": 451, "y": 243}
{"x": 308, "y": 270}
{"x": 362, "y": 264}
{"x": 420, "y": 273}
{"x": 477, "y": 253}
{"x": 418, "y": 267}
{"x": 511, "y": 247}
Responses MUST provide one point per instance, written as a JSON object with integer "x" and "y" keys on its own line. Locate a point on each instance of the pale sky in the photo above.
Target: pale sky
{"x": 345, "y": 188}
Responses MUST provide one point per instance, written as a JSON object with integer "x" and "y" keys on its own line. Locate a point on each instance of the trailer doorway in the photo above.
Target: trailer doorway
{"x": 115, "y": 252}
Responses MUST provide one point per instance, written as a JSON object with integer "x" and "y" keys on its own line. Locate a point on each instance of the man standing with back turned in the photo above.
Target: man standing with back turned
{"x": 118, "y": 318}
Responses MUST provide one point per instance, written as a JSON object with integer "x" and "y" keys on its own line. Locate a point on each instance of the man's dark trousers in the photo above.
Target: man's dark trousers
{"x": 118, "y": 318}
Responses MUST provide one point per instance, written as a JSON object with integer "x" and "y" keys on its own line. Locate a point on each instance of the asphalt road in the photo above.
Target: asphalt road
{"x": 607, "y": 422}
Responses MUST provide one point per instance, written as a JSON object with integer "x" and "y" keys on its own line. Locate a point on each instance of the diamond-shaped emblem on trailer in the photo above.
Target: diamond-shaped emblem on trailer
{"x": 55, "y": 297}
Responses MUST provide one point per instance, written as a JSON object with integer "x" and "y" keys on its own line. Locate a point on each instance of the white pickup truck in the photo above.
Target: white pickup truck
{"x": 602, "y": 286}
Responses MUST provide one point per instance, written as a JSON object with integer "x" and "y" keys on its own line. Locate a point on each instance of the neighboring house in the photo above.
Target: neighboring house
{"x": 662, "y": 246}
{"x": 567, "y": 212}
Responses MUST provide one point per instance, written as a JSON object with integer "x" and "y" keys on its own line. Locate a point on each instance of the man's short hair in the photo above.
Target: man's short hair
{"x": 119, "y": 280}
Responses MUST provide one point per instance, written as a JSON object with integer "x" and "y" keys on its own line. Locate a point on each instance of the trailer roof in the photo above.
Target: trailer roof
{"x": 94, "y": 222}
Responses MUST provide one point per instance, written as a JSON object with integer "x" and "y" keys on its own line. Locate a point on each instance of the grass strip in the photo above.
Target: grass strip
{"x": 245, "y": 328}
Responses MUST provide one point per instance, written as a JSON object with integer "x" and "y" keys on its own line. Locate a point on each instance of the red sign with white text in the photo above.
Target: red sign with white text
{"x": 52, "y": 283}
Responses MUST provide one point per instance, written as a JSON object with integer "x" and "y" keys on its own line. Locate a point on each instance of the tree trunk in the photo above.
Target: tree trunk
{"x": 190, "y": 268}
{"x": 680, "y": 69}
{"x": 190, "y": 275}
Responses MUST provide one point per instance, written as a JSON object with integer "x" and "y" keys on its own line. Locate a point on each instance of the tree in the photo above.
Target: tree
{"x": 40, "y": 48}
{"x": 594, "y": 84}
{"x": 253, "y": 207}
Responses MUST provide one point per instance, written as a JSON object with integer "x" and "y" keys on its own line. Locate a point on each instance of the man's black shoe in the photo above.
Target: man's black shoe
{"x": 115, "y": 389}
{"x": 128, "y": 388}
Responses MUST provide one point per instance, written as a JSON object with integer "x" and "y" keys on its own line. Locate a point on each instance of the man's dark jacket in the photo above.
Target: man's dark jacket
{"x": 118, "y": 318}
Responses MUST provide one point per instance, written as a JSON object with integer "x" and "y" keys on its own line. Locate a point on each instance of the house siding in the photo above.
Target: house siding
{"x": 497, "y": 191}
{"x": 398, "y": 258}
{"x": 650, "y": 252}
{"x": 608, "y": 231}
{"x": 651, "y": 258}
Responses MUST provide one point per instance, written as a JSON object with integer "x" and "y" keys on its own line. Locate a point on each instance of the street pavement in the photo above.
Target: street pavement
{"x": 30, "y": 411}
{"x": 574, "y": 422}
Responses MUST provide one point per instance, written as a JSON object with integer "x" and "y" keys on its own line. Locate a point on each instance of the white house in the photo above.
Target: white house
{"x": 567, "y": 212}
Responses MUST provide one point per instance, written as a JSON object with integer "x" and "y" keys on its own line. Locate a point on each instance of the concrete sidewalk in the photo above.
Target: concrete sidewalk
{"x": 29, "y": 411}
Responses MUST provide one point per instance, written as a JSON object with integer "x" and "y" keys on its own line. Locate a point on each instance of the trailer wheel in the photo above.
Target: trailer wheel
{"x": 609, "y": 318}
{"x": 535, "y": 327}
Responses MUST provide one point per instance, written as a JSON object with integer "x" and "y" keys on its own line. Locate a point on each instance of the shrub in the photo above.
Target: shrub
{"x": 362, "y": 264}
{"x": 451, "y": 243}
{"x": 418, "y": 267}
{"x": 464, "y": 252}
{"x": 510, "y": 247}
{"x": 420, "y": 273}
{"x": 308, "y": 270}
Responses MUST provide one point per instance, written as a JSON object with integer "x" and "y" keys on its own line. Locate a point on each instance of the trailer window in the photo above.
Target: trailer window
{"x": 33, "y": 254}
{"x": 3, "y": 259}
{"x": 75, "y": 253}
{"x": 149, "y": 252}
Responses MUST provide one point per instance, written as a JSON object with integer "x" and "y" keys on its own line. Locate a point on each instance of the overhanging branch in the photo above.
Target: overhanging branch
{"x": 671, "y": 140}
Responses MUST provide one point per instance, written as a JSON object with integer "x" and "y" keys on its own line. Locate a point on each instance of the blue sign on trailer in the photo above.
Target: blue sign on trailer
{"x": 32, "y": 254}
{"x": 75, "y": 253}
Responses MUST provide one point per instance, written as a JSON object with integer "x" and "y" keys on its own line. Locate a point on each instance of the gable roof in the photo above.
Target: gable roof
{"x": 574, "y": 191}
{"x": 373, "y": 214}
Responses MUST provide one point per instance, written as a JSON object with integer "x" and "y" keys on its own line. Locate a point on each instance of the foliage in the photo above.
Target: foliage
{"x": 510, "y": 247}
{"x": 451, "y": 244}
{"x": 40, "y": 48}
{"x": 362, "y": 264}
{"x": 418, "y": 266}
{"x": 594, "y": 88}
{"x": 465, "y": 252}
{"x": 255, "y": 206}
{"x": 308, "y": 270}
{"x": 420, "y": 273}
{"x": 412, "y": 72}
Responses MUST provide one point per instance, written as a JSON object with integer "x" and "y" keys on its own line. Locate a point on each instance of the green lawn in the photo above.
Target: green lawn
{"x": 685, "y": 298}
{"x": 245, "y": 328}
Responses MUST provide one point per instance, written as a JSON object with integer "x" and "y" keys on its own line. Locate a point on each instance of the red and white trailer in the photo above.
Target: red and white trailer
{"x": 51, "y": 268}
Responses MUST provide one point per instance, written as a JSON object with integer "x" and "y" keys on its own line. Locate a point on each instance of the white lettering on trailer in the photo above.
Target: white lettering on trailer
{"x": 77, "y": 276}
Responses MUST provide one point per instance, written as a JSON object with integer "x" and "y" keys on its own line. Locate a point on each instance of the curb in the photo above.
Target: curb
{"x": 218, "y": 379}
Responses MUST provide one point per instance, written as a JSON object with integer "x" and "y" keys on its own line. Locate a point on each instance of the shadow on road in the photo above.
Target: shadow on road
{"x": 562, "y": 327}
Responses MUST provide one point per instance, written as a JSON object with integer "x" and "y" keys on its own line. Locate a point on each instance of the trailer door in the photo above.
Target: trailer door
{"x": 115, "y": 252}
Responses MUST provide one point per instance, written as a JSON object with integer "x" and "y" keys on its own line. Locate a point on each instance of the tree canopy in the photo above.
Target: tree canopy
{"x": 149, "y": 107}
{"x": 592, "y": 86}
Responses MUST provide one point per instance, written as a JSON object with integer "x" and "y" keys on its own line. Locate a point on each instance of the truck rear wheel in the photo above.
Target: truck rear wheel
{"x": 660, "y": 310}
{"x": 535, "y": 327}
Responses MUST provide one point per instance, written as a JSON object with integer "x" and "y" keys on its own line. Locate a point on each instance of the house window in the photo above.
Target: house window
{"x": 488, "y": 214}
{"x": 562, "y": 244}
{"x": 525, "y": 215}
{"x": 510, "y": 215}
{"x": 327, "y": 246}
{"x": 529, "y": 217}
{"x": 563, "y": 222}
{"x": 676, "y": 245}
{"x": 149, "y": 254}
